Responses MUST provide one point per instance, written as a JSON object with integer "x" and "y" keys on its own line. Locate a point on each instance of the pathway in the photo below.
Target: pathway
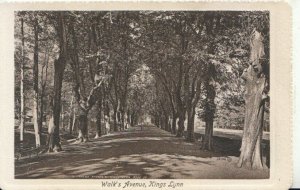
{"x": 135, "y": 153}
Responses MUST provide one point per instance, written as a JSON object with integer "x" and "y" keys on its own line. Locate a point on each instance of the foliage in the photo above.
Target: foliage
{"x": 156, "y": 61}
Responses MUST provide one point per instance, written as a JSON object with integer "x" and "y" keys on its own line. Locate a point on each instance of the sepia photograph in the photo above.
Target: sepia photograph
{"x": 142, "y": 95}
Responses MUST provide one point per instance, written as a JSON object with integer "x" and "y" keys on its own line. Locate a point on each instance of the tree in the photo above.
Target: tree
{"x": 140, "y": 89}
{"x": 44, "y": 78}
{"x": 22, "y": 115}
{"x": 95, "y": 40}
{"x": 193, "y": 60}
{"x": 36, "y": 82}
{"x": 124, "y": 54}
{"x": 169, "y": 39}
{"x": 180, "y": 30}
{"x": 193, "y": 92}
{"x": 256, "y": 85}
{"x": 59, "y": 67}
{"x": 99, "y": 117}
{"x": 209, "y": 106}
{"x": 72, "y": 116}
{"x": 85, "y": 101}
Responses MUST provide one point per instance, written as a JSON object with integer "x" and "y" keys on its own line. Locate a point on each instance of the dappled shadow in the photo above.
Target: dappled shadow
{"x": 145, "y": 166}
{"x": 134, "y": 165}
{"x": 135, "y": 153}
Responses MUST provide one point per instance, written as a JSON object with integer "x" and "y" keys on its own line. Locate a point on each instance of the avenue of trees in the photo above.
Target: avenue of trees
{"x": 116, "y": 68}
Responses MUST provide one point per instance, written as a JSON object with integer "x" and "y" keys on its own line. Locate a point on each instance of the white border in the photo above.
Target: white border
{"x": 6, "y": 107}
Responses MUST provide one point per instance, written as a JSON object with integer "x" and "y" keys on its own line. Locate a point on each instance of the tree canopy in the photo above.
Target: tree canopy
{"x": 179, "y": 68}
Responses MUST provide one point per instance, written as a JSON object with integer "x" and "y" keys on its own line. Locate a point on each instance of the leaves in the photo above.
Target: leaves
{"x": 173, "y": 50}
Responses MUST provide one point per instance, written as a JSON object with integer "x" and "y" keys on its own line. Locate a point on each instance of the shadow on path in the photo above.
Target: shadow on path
{"x": 134, "y": 153}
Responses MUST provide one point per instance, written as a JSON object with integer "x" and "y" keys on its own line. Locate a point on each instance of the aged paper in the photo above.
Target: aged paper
{"x": 147, "y": 155}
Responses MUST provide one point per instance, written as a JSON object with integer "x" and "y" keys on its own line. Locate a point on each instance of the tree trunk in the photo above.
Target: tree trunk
{"x": 41, "y": 112}
{"x": 250, "y": 156}
{"x": 169, "y": 124}
{"x": 127, "y": 119}
{"x": 132, "y": 116}
{"x": 54, "y": 139}
{"x": 62, "y": 117}
{"x": 166, "y": 120}
{"x": 107, "y": 118}
{"x": 115, "y": 118}
{"x": 209, "y": 107}
{"x": 174, "y": 119}
{"x": 85, "y": 103}
{"x": 99, "y": 118}
{"x": 59, "y": 67}
{"x": 42, "y": 94}
{"x": 107, "y": 125}
{"x": 122, "y": 119}
{"x": 36, "y": 86}
{"x": 161, "y": 122}
{"x": 119, "y": 120}
{"x": 74, "y": 120}
{"x": 209, "y": 118}
{"x": 207, "y": 143}
{"x": 180, "y": 124}
{"x": 190, "y": 125}
{"x": 70, "y": 124}
{"x": 22, "y": 115}
{"x": 255, "y": 97}
{"x": 157, "y": 121}
{"x": 83, "y": 125}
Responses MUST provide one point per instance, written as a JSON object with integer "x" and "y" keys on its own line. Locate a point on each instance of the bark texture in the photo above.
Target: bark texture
{"x": 22, "y": 115}
{"x": 174, "y": 119}
{"x": 59, "y": 67}
{"x": 209, "y": 117}
{"x": 192, "y": 100}
{"x": 209, "y": 107}
{"x": 85, "y": 101}
{"x": 83, "y": 125}
{"x": 42, "y": 94}
{"x": 36, "y": 84}
{"x": 180, "y": 123}
{"x": 255, "y": 97}
{"x": 99, "y": 118}
{"x": 71, "y": 119}
{"x": 190, "y": 125}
